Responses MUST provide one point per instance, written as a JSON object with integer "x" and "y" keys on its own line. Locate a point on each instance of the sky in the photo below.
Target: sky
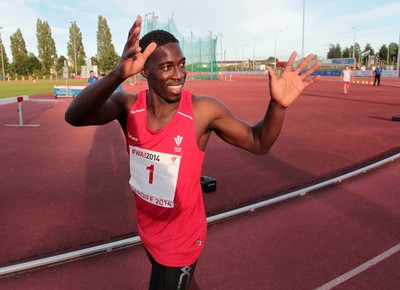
{"x": 245, "y": 29}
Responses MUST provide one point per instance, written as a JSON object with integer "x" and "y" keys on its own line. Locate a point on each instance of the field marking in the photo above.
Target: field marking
{"x": 339, "y": 280}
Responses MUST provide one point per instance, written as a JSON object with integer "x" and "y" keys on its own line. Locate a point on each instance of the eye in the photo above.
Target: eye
{"x": 166, "y": 67}
{"x": 183, "y": 64}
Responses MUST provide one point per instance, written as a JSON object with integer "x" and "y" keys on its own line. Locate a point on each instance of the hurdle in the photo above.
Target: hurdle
{"x": 21, "y": 115}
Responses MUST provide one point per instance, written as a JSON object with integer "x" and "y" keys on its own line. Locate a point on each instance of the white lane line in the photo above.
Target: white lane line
{"x": 360, "y": 269}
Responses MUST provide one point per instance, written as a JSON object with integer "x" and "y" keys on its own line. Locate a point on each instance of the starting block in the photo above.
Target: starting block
{"x": 208, "y": 184}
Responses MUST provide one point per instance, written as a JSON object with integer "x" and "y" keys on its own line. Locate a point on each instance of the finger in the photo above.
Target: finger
{"x": 289, "y": 65}
{"x": 149, "y": 50}
{"x": 132, "y": 52}
{"x": 311, "y": 70}
{"x": 303, "y": 64}
{"x": 133, "y": 39}
{"x": 271, "y": 75}
{"x": 311, "y": 81}
{"x": 137, "y": 23}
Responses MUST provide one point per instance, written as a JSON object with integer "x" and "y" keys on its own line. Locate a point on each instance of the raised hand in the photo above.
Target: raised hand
{"x": 285, "y": 89}
{"x": 133, "y": 59}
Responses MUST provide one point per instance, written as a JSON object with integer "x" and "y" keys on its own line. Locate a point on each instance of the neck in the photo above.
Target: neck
{"x": 159, "y": 105}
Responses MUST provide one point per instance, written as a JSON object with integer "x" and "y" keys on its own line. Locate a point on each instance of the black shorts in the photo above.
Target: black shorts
{"x": 169, "y": 278}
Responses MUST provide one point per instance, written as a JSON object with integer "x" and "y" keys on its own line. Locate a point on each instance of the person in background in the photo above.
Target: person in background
{"x": 346, "y": 77}
{"x": 167, "y": 129}
{"x": 92, "y": 78}
{"x": 377, "y": 78}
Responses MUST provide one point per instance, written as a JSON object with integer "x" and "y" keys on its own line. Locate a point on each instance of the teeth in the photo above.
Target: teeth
{"x": 175, "y": 87}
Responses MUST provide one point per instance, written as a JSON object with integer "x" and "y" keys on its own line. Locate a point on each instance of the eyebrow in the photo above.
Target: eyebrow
{"x": 171, "y": 62}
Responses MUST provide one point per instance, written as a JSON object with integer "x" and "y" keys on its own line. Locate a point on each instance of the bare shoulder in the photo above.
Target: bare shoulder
{"x": 124, "y": 99}
{"x": 207, "y": 103}
{"x": 208, "y": 109}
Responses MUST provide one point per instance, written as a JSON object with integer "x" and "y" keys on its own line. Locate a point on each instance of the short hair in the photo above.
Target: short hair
{"x": 160, "y": 37}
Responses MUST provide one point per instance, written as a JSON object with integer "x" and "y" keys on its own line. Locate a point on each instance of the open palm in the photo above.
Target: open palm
{"x": 285, "y": 89}
{"x": 133, "y": 59}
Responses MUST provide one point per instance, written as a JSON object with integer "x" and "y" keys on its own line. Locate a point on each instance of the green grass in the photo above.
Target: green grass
{"x": 20, "y": 88}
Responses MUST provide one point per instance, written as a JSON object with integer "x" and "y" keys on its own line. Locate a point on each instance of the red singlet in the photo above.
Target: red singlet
{"x": 165, "y": 170}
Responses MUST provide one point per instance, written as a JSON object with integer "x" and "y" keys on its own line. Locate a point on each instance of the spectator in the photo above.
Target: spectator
{"x": 92, "y": 78}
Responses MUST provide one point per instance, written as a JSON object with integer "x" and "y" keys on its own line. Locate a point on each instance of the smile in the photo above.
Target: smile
{"x": 175, "y": 87}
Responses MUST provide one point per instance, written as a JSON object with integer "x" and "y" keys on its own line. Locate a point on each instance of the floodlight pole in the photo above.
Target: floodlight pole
{"x": 2, "y": 58}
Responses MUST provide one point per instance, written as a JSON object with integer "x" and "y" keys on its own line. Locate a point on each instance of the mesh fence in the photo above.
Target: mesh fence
{"x": 200, "y": 52}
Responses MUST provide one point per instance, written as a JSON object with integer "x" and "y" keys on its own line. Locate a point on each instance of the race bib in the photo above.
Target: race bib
{"x": 154, "y": 175}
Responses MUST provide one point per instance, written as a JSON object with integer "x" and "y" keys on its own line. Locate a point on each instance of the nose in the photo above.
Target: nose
{"x": 179, "y": 72}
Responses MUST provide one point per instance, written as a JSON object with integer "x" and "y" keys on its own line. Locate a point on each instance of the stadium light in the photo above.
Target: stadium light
{"x": 2, "y": 58}
{"x": 276, "y": 33}
{"x": 73, "y": 27}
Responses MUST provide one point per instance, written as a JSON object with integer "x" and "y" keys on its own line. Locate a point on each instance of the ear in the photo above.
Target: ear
{"x": 144, "y": 73}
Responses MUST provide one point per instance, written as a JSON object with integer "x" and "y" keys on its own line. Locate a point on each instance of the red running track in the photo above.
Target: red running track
{"x": 346, "y": 235}
{"x": 66, "y": 188}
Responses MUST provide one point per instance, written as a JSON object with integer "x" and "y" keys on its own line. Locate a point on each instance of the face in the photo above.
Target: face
{"x": 165, "y": 72}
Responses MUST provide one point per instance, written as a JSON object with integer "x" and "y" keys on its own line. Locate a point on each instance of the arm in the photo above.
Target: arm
{"x": 93, "y": 106}
{"x": 284, "y": 91}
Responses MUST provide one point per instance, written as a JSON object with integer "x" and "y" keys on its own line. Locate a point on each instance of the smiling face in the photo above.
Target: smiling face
{"x": 165, "y": 72}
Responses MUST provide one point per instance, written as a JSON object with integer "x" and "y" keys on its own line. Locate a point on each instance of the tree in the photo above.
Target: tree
{"x": 383, "y": 52}
{"x": 393, "y": 49}
{"x": 369, "y": 47}
{"x": 60, "y": 64}
{"x": 5, "y": 59}
{"x": 347, "y": 52}
{"x": 76, "y": 51}
{"x": 46, "y": 46}
{"x": 334, "y": 51}
{"x": 19, "y": 53}
{"x": 94, "y": 60}
{"x": 33, "y": 66}
{"x": 106, "y": 54}
{"x": 357, "y": 51}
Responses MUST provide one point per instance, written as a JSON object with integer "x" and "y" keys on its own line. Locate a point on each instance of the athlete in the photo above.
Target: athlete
{"x": 167, "y": 130}
{"x": 346, "y": 77}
